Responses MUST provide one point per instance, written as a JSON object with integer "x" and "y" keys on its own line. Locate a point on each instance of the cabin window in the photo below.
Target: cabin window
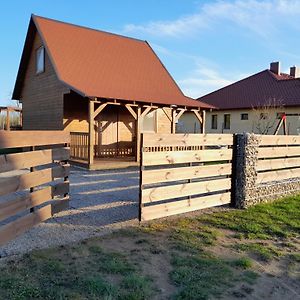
{"x": 244, "y": 117}
{"x": 227, "y": 121}
{"x": 214, "y": 121}
{"x": 40, "y": 60}
{"x": 149, "y": 122}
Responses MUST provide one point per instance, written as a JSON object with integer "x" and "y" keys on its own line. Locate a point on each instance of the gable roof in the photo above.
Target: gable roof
{"x": 99, "y": 64}
{"x": 257, "y": 90}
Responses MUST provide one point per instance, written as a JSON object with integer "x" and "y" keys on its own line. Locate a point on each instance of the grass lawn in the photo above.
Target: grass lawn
{"x": 228, "y": 254}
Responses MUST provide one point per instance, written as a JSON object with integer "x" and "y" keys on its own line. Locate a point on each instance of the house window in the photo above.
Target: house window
{"x": 40, "y": 60}
{"x": 227, "y": 121}
{"x": 149, "y": 122}
{"x": 214, "y": 121}
{"x": 244, "y": 117}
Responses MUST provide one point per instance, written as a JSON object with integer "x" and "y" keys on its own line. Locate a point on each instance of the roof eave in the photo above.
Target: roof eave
{"x": 24, "y": 60}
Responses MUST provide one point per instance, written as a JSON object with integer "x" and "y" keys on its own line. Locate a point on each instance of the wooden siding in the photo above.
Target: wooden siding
{"x": 163, "y": 123}
{"x": 42, "y": 95}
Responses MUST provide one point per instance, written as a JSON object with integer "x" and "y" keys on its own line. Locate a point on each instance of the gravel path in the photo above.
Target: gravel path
{"x": 100, "y": 202}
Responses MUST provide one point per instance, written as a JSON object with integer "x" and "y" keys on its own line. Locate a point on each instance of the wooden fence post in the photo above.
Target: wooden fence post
{"x": 141, "y": 179}
{"x": 138, "y": 134}
{"x": 91, "y": 133}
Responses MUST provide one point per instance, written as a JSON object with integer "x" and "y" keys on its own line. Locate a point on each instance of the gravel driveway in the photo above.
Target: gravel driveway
{"x": 100, "y": 201}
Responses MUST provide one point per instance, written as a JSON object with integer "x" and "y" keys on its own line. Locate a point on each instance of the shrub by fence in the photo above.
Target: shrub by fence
{"x": 34, "y": 181}
{"x": 182, "y": 173}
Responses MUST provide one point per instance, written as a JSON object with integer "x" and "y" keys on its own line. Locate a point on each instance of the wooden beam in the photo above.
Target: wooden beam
{"x": 99, "y": 109}
{"x": 166, "y": 113}
{"x": 152, "y": 106}
{"x": 130, "y": 109}
{"x": 138, "y": 134}
{"x": 113, "y": 103}
{"x": 186, "y": 156}
{"x": 145, "y": 112}
{"x": 91, "y": 133}
{"x": 186, "y": 140}
{"x": 196, "y": 112}
{"x": 181, "y": 112}
{"x": 182, "y": 206}
{"x": 203, "y": 121}
{"x": 173, "y": 122}
{"x": 18, "y": 139}
{"x": 160, "y": 193}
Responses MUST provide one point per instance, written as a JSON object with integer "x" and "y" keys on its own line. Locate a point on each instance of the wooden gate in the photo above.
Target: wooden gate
{"x": 34, "y": 182}
{"x": 184, "y": 172}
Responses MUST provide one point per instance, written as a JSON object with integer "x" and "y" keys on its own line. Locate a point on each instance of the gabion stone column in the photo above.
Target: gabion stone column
{"x": 245, "y": 174}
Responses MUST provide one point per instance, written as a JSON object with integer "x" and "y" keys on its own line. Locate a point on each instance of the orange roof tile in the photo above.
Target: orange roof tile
{"x": 105, "y": 65}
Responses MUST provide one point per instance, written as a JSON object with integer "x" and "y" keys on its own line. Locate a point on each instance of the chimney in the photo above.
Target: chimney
{"x": 295, "y": 72}
{"x": 275, "y": 67}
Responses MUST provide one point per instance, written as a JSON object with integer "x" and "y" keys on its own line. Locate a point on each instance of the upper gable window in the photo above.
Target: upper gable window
{"x": 40, "y": 60}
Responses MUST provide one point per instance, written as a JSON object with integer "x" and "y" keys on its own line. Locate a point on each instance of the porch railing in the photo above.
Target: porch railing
{"x": 79, "y": 145}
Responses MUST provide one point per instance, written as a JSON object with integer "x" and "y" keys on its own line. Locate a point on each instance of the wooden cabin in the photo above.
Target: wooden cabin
{"x": 105, "y": 89}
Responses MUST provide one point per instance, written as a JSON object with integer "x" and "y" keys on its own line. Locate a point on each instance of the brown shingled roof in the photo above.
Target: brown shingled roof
{"x": 104, "y": 65}
{"x": 257, "y": 90}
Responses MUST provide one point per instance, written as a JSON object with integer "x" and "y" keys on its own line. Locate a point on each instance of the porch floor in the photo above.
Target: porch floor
{"x": 107, "y": 163}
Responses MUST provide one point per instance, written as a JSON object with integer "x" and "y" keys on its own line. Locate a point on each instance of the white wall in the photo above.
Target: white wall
{"x": 188, "y": 123}
{"x": 251, "y": 125}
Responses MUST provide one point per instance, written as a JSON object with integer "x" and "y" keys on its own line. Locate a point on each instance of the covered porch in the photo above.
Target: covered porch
{"x": 106, "y": 134}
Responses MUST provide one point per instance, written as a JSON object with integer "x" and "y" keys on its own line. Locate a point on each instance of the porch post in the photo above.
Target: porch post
{"x": 203, "y": 121}
{"x": 173, "y": 128}
{"x": 91, "y": 133}
{"x": 138, "y": 134}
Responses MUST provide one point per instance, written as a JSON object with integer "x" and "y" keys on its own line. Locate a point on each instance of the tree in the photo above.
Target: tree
{"x": 266, "y": 116}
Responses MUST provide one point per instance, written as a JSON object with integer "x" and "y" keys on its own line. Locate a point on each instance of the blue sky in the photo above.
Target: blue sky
{"x": 204, "y": 44}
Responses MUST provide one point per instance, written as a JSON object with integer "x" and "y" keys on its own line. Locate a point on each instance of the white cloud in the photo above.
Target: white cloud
{"x": 261, "y": 17}
{"x": 205, "y": 79}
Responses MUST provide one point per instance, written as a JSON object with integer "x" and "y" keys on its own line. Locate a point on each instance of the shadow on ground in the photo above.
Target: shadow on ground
{"x": 100, "y": 201}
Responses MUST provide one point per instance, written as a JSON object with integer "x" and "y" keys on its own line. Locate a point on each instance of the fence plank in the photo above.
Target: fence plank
{"x": 269, "y": 140}
{"x": 278, "y": 152}
{"x": 14, "y": 229}
{"x": 182, "y": 190}
{"x": 277, "y": 175}
{"x": 273, "y": 164}
{"x": 23, "y": 202}
{"x": 33, "y": 179}
{"x": 183, "y": 206}
{"x": 175, "y": 157}
{"x": 61, "y": 188}
{"x": 174, "y": 174}
{"x": 161, "y": 140}
{"x": 24, "y": 160}
{"x": 60, "y": 205}
{"x": 16, "y": 139}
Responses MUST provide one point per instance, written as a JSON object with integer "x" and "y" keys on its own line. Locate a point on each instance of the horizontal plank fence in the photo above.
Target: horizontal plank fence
{"x": 278, "y": 158}
{"x": 267, "y": 167}
{"x": 33, "y": 179}
{"x": 184, "y": 172}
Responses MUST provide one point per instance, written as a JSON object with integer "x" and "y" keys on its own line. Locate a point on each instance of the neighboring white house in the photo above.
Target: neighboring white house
{"x": 254, "y": 104}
